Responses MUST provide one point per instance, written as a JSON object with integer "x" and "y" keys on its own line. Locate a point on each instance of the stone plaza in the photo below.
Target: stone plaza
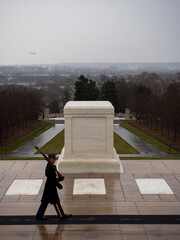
{"x": 122, "y": 196}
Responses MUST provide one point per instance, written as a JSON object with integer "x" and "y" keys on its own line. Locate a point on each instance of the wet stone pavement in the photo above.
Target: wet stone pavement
{"x": 122, "y": 197}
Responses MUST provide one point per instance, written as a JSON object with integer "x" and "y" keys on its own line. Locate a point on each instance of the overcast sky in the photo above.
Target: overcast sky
{"x": 65, "y": 31}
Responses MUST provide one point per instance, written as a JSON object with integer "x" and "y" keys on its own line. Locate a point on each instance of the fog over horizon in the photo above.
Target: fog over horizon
{"x": 83, "y": 31}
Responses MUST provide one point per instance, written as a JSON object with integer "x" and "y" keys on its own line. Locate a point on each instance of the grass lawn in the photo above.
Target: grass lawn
{"x": 25, "y": 139}
{"x": 56, "y": 144}
{"x": 163, "y": 147}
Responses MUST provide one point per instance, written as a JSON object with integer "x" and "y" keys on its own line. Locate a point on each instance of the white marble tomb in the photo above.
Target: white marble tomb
{"x": 89, "y": 142}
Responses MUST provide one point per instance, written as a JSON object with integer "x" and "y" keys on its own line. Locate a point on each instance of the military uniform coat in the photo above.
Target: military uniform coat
{"x": 50, "y": 194}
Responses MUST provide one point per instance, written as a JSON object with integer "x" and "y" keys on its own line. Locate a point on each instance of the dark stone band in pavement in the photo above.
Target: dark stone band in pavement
{"x": 92, "y": 219}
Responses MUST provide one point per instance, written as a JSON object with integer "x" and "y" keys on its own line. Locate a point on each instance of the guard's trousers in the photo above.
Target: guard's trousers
{"x": 43, "y": 207}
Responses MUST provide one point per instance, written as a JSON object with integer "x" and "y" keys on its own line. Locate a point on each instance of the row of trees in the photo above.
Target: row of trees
{"x": 157, "y": 110}
{"x": 18, "y": 108}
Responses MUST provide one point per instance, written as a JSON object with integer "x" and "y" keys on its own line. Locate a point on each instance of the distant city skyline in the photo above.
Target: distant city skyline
{"x": 89, "y": 31}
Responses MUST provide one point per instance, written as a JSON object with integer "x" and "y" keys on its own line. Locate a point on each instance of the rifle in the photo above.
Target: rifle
{"x": 60, "y": 176}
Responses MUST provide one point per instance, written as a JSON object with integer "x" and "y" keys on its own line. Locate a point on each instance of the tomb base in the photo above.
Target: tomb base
{"x": 89, "y": 164}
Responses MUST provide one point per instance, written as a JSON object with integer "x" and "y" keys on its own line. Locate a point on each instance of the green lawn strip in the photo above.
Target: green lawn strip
{"x": 163, "y": 147}
{"x": 122, "y": 147}
{"x": 56, "y": 144}
{"x": 25, "y": 139}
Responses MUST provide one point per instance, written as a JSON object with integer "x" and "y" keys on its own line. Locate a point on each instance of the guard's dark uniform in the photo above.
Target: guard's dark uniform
{"x": 50, "y": 194}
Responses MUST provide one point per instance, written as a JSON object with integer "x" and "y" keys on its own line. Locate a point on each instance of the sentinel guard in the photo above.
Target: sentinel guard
{"x": 50, "y": 194}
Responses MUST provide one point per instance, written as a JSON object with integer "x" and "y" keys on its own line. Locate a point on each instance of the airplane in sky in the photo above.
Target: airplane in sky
{"x": 32, "y": 53}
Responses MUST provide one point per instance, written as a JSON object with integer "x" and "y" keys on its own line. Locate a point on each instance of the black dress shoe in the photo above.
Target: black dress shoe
{"x": 42, "y": 218}
{"x": 66, "y": 216}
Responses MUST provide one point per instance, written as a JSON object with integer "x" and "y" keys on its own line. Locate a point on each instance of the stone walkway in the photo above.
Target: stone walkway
{"x": 144, "y": 148}
{"x": 123, "y": 197}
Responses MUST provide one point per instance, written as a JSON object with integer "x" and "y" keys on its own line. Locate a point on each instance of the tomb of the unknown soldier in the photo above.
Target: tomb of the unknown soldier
{"x": 89, "y": 145}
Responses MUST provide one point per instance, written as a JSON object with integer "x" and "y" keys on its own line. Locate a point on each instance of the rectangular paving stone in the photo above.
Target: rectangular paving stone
{"x": 6, "y": 165}
{"x": 23, "y": 175}
{"x": 168, "y": 198}
{"x": 66, "y": 198}
{"x": 2, "y": 175}
{"x": 160, "y": 167}
{"x": 19, "y": 165}
{"x": 172, "y": 165}
{"x": 126, "y": 176}
{"x": 35, "y": 166}
{"x": 161, "y": 232}
{"x": 137, "y": 166}
{"x": 91, "y": 227}
{"x": 161, "y": 210}
{"x": 115, "y": 197}
{"x": 96, "y": 198}
{"x": 154, "y": 175}
{"x": 19, "y": 208}
{"x": 125, "y": 204}
{"x": 105, "y": 235}
{"x": 133, "y": 232}
{"x": 16, "y": 235}
{"x": 129, "y": 186}
{"x": 112, "y": 189}
{"x": 173, "y": 183}
{"x": 91, "y": 210}
{"x": 9, "y": 199}
{"x": 81, "y": 197}
{"x": 133, "y": 197}
{"x": 140, "y": 175}
{"x": 122, "y": 210}
{"x": 31, "y": 198}
{"x": 177, "y": 176}
{"x": 111, "y": 176}
{"x": 96, "y": 175}
{"x": 151, "y": 198}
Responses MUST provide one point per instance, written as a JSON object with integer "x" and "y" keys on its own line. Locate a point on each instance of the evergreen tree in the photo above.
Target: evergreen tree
{"x": 85, "y": 89}
{"x": 109, "y": 93}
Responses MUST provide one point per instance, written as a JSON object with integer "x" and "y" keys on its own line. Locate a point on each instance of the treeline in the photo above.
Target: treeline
{"x": 19, "y": 106}
{"x": 159, "y": 109}
{"x": 159, "y": 112}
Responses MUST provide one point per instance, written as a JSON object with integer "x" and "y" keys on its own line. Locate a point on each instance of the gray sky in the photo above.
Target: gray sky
{"x": 63, "y": 31}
